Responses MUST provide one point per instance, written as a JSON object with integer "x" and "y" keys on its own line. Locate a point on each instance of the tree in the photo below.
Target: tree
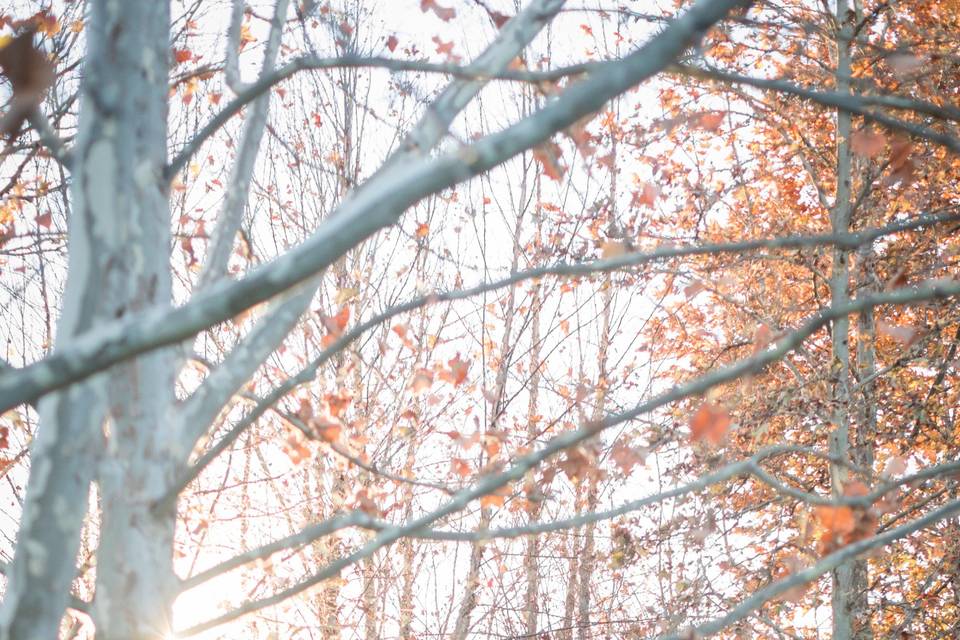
{"x": 326, "y": 297}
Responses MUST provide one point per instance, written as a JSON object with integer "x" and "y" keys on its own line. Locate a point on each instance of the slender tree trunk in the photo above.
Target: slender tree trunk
{"x": 573, "y": 556}
{"x": 588, "y": 556}
{"x": 407, "y": 550}
{"x": 531, "y": 555}
{"x": 849, "y": 579}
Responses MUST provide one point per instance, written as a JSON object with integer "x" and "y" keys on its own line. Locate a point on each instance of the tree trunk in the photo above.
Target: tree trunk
{"x": 119, "y": 263}
{"x": 849, "y": 579}
{"x": 122, "y": 198}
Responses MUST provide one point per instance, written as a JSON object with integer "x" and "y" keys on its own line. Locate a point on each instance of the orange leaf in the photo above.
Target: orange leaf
{"x": 182, "y": 55}
{"x": 855, "y": 489}
{"x": 836, "y": 521}
{"x": 460, "y": 467}
{"x": 422, "y": 381}
{"x": 326, "y": 429}
{"x": 446, "y": 48}
{"x": 709, "y": 121}
{"x": 336, "y": 403}
{"x": 336, "y": 324}
{"x": 710, "y": 422}
{"x": 491, "y": 500}
{"x": 423, "y": 230}
{"x": 549, "y": 155}
{"x": 646, "y": 196}
{"x": 491, "y": 446}
{"x": 457, "y": 371}
{"x": 392, "y": 43}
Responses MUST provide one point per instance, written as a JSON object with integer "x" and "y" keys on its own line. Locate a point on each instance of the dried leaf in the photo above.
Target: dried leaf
{"x": 627, "y": 457}
{"x": 905, "y": 64}
{"x": 646, "y": 196}
{"x": 457, "y": 371}
{"x": 548, "y": 155}
{"x": 709, "y": 121}
{"x": 895, "y": 466}
{"x": 710, "y": 423}
{"x": 182, "y": 55}
{"x": 460, "y": 467}
{"x": 30, "y": 74}
{"x": 422, "y": 381}
{"x": 444, "y": 13}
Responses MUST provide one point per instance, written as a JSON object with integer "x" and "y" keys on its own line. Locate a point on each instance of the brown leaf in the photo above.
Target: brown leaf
{"x": 365, "y": 503}
{"x": 444, "y": 13}
{"x": 901, "y": 162}
{"x": 498, "y": 18}
{"x": 392, "y": 43}
{"x": 548, "y": 155}
{"x": 30, "y": 74}
{"x": 762, "y": 338}
{"x": 895, "y": 466}
{"x": 578, "y": 463}
{"x": 692, "y": 289}
{"x": 627, "y": 457}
